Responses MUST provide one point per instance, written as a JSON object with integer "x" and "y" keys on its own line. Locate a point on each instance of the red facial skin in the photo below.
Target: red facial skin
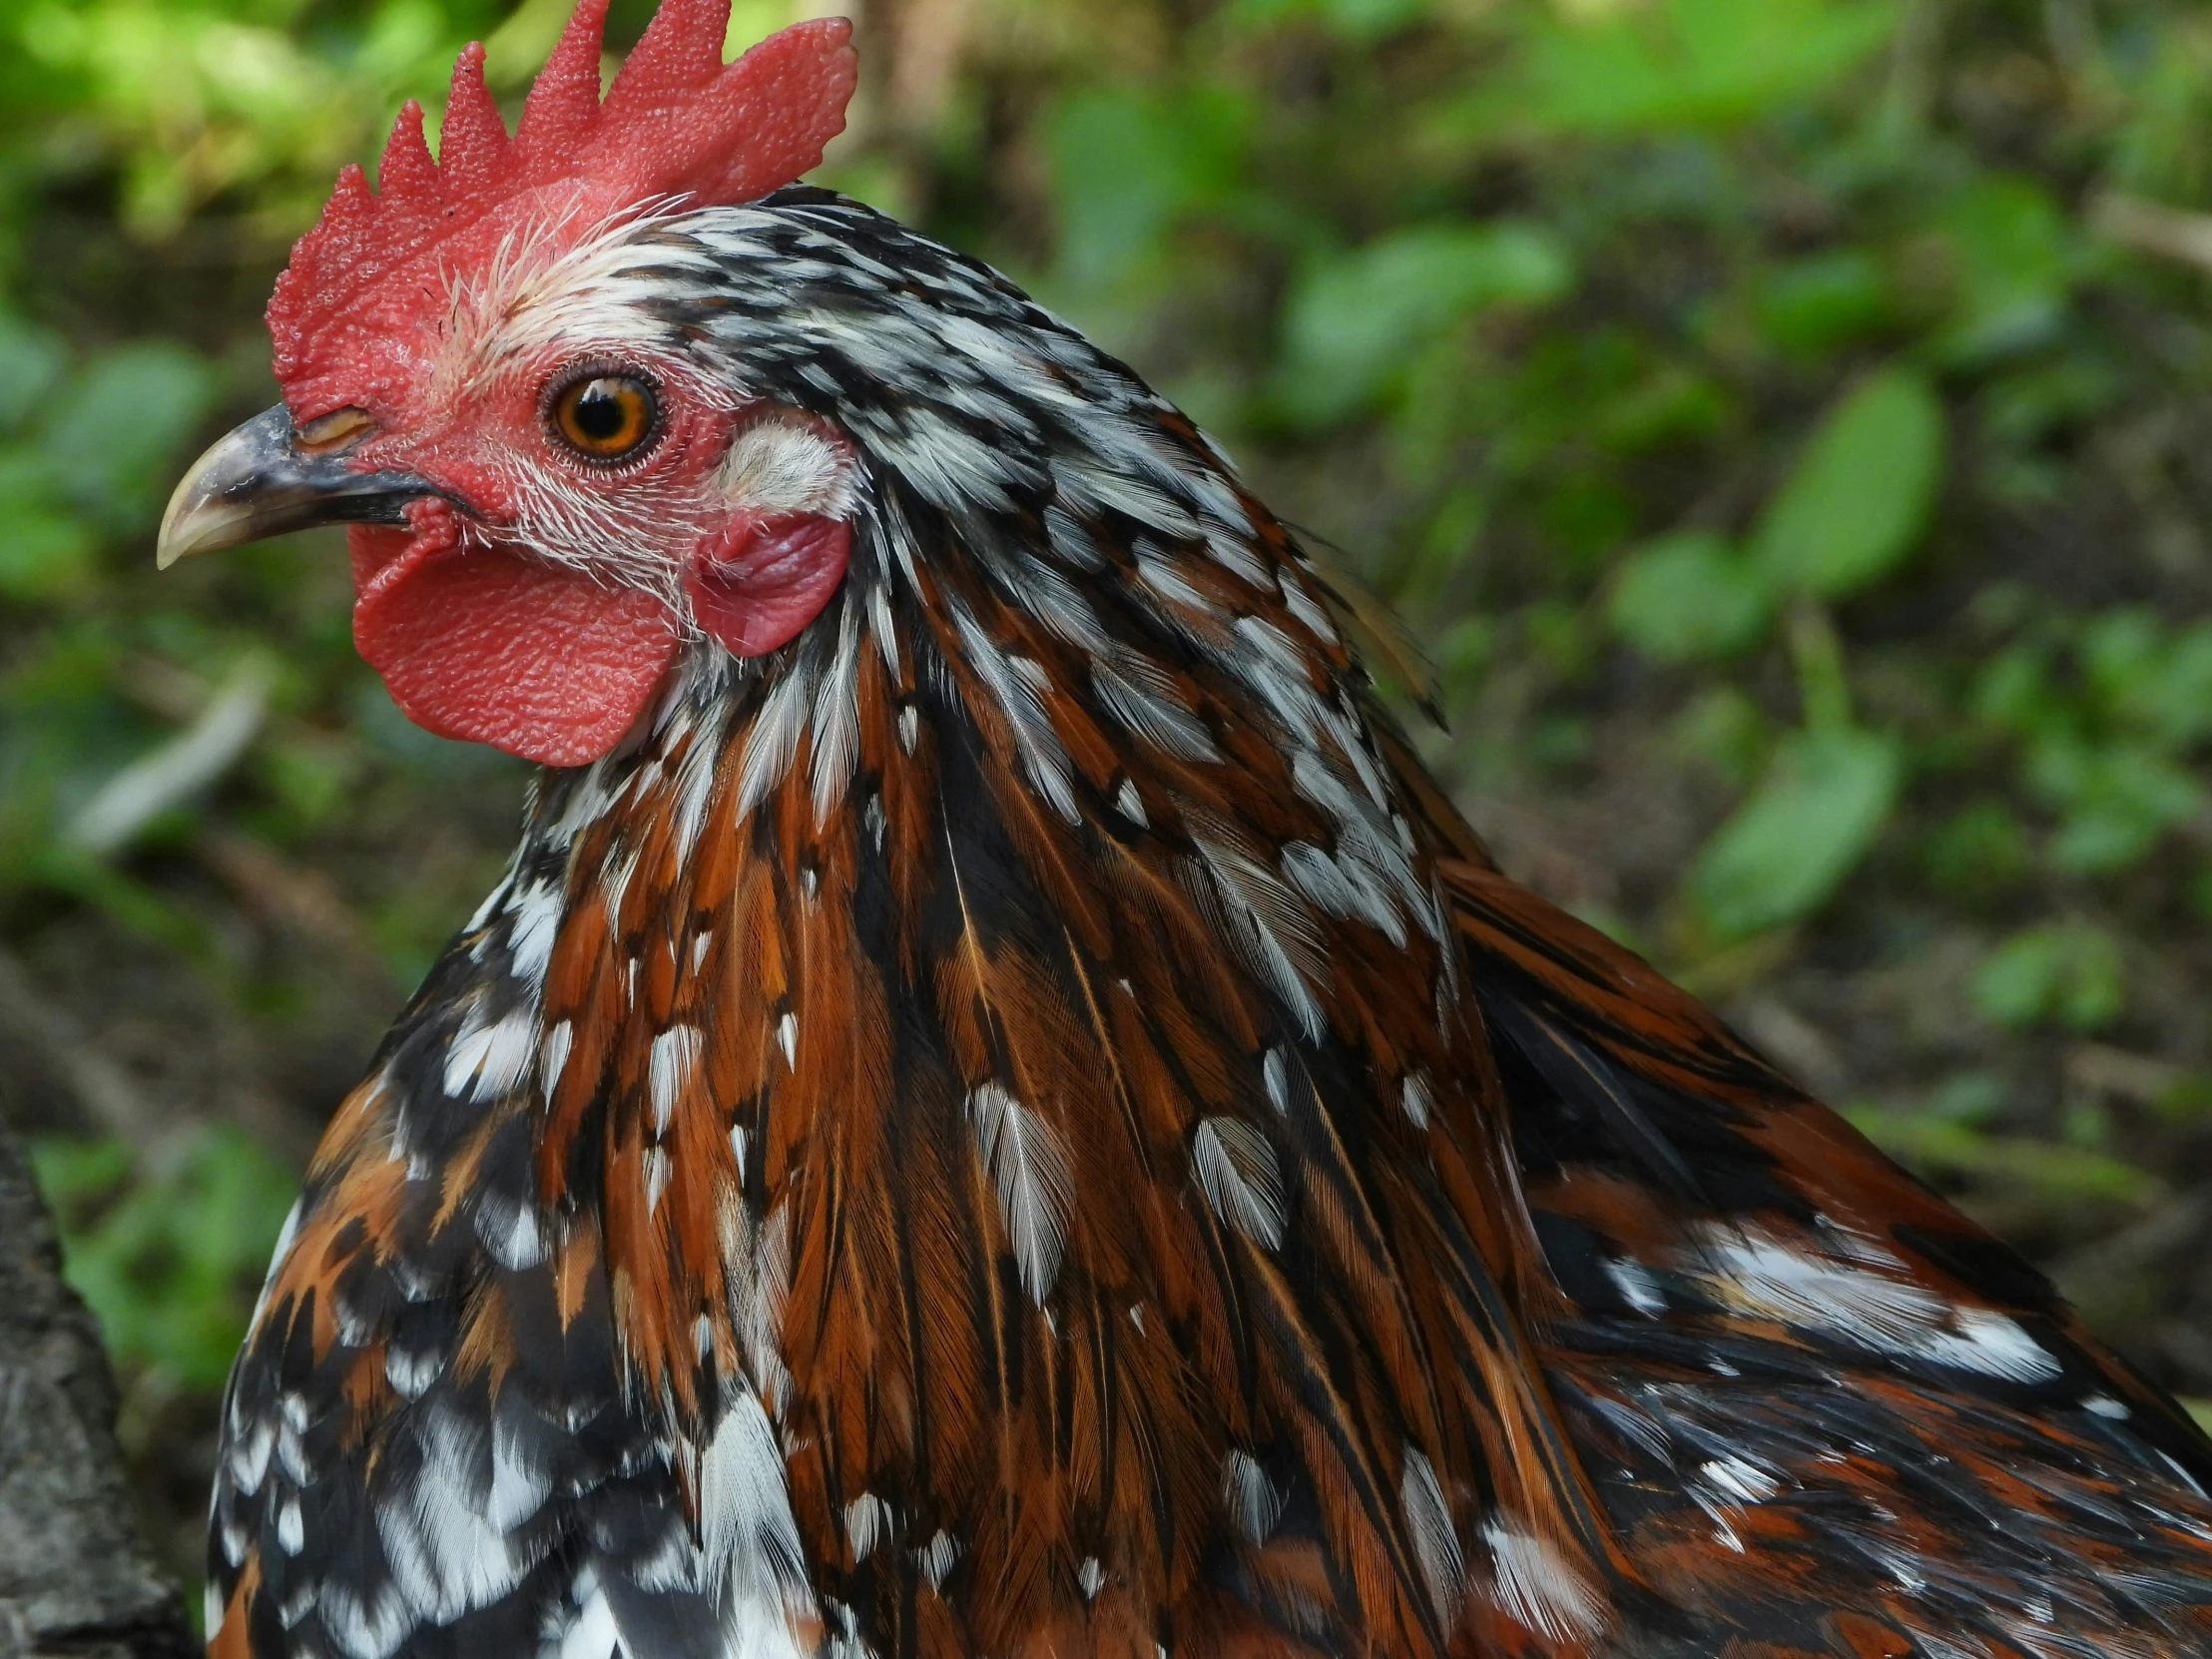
{"x": 480, "y": 636}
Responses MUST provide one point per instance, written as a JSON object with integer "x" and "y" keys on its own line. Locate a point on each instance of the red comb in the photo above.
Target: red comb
{"x": 677, "y": 122}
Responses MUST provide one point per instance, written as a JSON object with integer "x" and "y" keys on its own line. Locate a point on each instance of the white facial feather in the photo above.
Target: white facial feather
{"x": 522, "y": 304}
{"x": 522, "y": 321}
{"x": 780, "y": 464}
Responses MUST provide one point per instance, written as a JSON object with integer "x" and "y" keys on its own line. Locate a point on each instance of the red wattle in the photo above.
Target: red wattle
{"x": 493, "y": 647}
{"x": 760, "y": 581}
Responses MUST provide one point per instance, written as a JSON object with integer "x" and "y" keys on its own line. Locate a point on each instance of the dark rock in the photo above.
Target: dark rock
{"x": 76, "y": 1579}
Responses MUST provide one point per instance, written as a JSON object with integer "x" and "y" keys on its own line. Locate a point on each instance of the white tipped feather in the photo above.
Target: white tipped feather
{"x": 1864, "y": 1296}
{"x": 445, "y": 1554}
{"x": 1413, "y": 1096}
{"x": 1533, "y": 1584}
{"x": 1248, "y": 1497}
{"x": 668, "y": 1064}
{"x": 696, "y": 777}
{"x": 867, "y": 1522}
{"x": 484, "y": 1061}
{"x": 1271, "y": 925}
{"x": 1237, "y": 1171}
{"x": 936, "y": 1557}
{"x": 1435, "y": 1540}
{"x": 530, "y": 936}
{"x": 771, "y": 742}
{"x": 1019, "y": 687}
{"x": 1029, "y": 1167}
{"x": 592, "y": 1633}
{"x": 749, "y": 1538}
{"x": 837, "y": 729}
{"x": 553, "y": 1055}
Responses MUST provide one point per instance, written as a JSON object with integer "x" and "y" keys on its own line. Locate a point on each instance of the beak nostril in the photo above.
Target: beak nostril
{"x": 340, "y": 429}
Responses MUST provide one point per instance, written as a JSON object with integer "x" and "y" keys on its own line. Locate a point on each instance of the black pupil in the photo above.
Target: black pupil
{"x": 600, "y": 412}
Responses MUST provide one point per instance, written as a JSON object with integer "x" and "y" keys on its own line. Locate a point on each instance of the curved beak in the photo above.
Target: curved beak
{"x": 256, "y": 481}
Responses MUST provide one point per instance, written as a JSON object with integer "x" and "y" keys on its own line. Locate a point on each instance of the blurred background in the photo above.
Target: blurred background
{"x": 1786, "y": 425}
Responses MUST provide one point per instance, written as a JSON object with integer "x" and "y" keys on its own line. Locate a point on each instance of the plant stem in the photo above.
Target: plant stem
{"x": 1819, "y": 656}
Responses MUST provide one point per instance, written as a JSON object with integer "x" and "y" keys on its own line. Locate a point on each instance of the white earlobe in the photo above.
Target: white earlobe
{"x": 780, "y": 464}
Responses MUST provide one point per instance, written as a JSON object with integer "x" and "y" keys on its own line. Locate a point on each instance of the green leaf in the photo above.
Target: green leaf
{"x": 45, "y": 550}
{"x": 1859, "y": 494}
{"x": 43, "y": 554}
{"x": 1815, "y": 305}
{"x": 2014, "y": 690}
{"x": 2066, "y": 973}
{"x": 1979, "y": 853}
{"x": 171, "y": 1263}
{"x": 120, "y": 424}
{"x": 1723, "y": 728}
{"x": 1930, "y": 1145}
{"x": 1355, "y": 322}
{"x": 2119, "y": 650}
{"x": 2013, "y": 246}
{"x": 2167, "y": 692}
{"x": 1465, "y": 651}
{"x": 30, "y": 362}
{"x": 1823, "y": 800}
{"x": 2118, "y": 799}
{"x": 1126, "y": 165}
{"x": 1359, "y": 19}
{"x": 1685, "y": 63}
{"x": 1689, "y": 597}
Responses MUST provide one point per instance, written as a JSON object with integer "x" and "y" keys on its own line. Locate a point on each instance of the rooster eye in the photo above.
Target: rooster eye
{"x": 606, "y": 417}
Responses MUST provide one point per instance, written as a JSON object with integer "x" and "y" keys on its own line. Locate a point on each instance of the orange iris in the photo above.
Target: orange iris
{"x": 605, "y": 417}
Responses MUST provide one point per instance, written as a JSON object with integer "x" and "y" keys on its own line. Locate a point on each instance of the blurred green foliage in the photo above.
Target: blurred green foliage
{"x": 168, "y": 1263}
{"x": 1784, "y": 421}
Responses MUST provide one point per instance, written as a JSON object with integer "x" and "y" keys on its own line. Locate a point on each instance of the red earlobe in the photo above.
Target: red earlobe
{"x": 754, "y": 586}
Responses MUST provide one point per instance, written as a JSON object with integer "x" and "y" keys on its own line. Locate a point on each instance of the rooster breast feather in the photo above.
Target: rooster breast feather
{"x": 1023, "y": 1122}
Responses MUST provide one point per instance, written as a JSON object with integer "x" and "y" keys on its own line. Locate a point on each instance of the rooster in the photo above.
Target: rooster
{"x": 997, "y": 1110}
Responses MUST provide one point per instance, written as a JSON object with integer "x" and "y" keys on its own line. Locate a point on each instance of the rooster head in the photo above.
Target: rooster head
{"x": 548, "y": 494}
